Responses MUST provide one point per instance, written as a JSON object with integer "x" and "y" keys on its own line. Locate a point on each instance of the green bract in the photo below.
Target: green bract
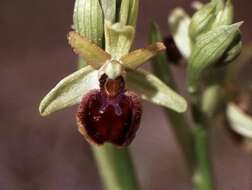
{"x": 88, "y": 20}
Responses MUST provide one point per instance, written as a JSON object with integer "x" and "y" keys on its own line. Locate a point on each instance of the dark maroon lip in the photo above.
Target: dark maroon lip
{"x": 111, "y": 114}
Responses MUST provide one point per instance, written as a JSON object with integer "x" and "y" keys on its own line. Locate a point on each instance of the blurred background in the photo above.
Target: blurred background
{"x": 48, "y": 153}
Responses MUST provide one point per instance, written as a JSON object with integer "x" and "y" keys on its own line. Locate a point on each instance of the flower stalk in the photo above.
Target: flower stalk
{"x": 115, "y": 165}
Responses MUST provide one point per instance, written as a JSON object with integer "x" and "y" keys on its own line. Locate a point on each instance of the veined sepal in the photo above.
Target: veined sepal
{"x": 69, "y": 91}
{"x": 152, "y": 89}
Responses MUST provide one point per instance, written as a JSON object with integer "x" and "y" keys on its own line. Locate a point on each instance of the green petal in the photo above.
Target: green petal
{"x": 239, "y": 121}
{"x": 209, "y": 49}
{"x": 88, "y": 20}
{"x": 138, "y": 57}
{"x": 69, "y": 91}
{"x": 119, "y": 39}
{"x": 152, "y": 89}
{"x": 90, "y": 52}
{"x": 179, "y": 23}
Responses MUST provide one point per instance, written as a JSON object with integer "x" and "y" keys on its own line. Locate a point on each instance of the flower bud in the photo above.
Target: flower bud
{"x": 202, "y": 20}
{"x": 111, "y": 114}
{"x": 210, "y": 49}
{"x": 224, "y": 16}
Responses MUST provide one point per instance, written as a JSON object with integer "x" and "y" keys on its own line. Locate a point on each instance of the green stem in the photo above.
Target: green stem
{"x": 203, "y": 177}
{"x": 115, "y": 165}
{"x": 193, "y": 141}
{"x": 183, "y": 135}
{"x": 178, "y": 121}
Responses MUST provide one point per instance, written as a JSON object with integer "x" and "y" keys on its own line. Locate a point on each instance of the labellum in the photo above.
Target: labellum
{"x": 111, "y": 114}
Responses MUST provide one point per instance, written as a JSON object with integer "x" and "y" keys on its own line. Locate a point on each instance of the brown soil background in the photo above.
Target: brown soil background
{"x": 48, "y": 153}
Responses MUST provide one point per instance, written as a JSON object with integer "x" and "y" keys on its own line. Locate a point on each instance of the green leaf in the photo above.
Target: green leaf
{"x": 109, "y": 9}
{"x": 69, "y": 91}
{"x": 88, "y": 20}
{"x": 138, "y": 57}
{"x": 152, "y": 89}
{"x": 179, "y": 23}
{"x": 202, "y": 20}
{"x": 119, "y": 39}
{"x": 239, "y": 121}
{"x": 209, "y": 49}
{"x": 90, "y": 52}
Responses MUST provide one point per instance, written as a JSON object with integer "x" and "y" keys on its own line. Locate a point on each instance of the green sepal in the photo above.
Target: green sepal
{"x": 69, "y": 91}
{"x": 209, "y": 50}
{"x": 179, "y": 23}
{"x": 202, "y": 20}
{"x": 152, "y": 89}
{"x": 138, "y": 57}
{"x": 90, "y": 52}
{"x": 88, "y": 20}
{"x": 119, "y": 39}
